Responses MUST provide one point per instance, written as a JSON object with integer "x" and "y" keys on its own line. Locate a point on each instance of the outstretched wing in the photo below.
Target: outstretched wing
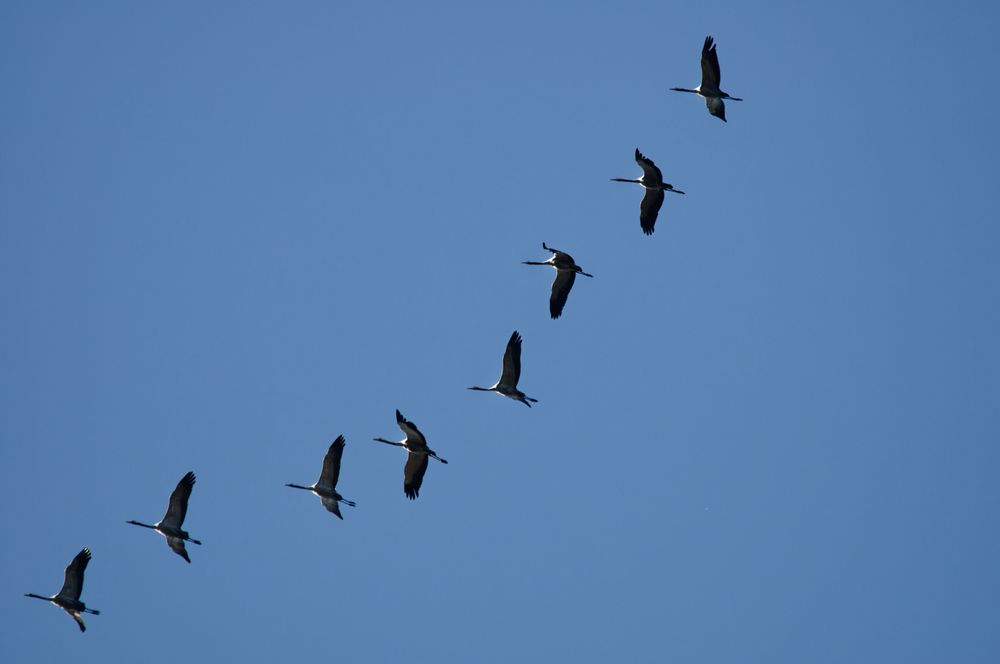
{"x": 711, "y": 77}
{"x": 413, "y": 474}
{"x": 332, "y": 505}
{"x": 649, "y": 208}
{"x": 177, "y": 545}
{"x": 73, "y": 581}
{"x": 413, "y": 436}
{"x": 650, "y": 172}
{"x": 512, "y": 361}
{"x": 716, "y": 107}
{"x": 331, "y": 464}
{"x": 561, "y": 286}
{"x": 178, "y": 506}
{"x": 75, "y": 615}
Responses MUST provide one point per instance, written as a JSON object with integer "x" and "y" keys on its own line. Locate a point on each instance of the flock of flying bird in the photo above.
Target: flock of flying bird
{"x": 418, "y": 453}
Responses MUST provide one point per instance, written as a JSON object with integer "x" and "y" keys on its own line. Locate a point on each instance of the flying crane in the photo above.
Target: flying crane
{"x": 652, "y": 182}
{"x": 566, "y": 271}
{"x": 326, "y": 486}
{"x": 511, "y": 373}
{"x": 417, "y": 460}
{"x": 68, "y": 599}
{"x": 170, "y": 525}
{"x": 711, "y": 78}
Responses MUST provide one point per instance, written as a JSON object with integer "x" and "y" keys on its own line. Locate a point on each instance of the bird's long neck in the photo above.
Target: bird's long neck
{"x": 299, "y": 486}
{"x": 388, "y": 442}
{"x": 144, "y": 525}
{"x": 685, "y": 90}
{"x": 624, "y": 180}
{"x": 93, "y": 611}
{"x": 47, "y": 599}
{"x": 482, "y": 389}
{"x": 534, "y": 263}
{"x": 438, "y": 458}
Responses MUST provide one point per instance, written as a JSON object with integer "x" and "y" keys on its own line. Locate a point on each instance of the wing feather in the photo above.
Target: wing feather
{"x": 75, "y": 615}
{"x": 651, "y": 173}
{"x": 332, "y": 505}
{"x": 413, "y": 436}
{"x": 512, "y": 361}
{"x": 649, "y": 209}
{"x": 711, "y": 76}
{"x": 73, "y": 580}
{"x": 177, "y": 545}
{"x": 561, "y": 286}
{"x": 331, "y": 464}
{"x": 413, "y": 474}
{"x": 716, "y": 107}
{"x": 177, "y": 508}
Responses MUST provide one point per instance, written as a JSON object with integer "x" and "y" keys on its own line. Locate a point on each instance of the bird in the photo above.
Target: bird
{"x": 711, "y": 78}
{"x": 507, "y": 385}
{"x": 652, "y": 182}
{"x": 68, "y": 598}
{"x": 170, "y": 525}
{"x": 416, "y": 462}
{"x": 566, "y": 271}
{"x": 326, "y": 486}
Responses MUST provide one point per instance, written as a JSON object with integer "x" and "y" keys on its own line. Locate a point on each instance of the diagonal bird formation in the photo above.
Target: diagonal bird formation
{"x": 415, "y": 444}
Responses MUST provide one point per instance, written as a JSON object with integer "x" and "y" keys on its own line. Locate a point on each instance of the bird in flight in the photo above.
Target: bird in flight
{"x": 652, "y": 182}
{"x": 507, "y": 385}
{"x": 170, "y": 525}
{"x": 417, "y": 460}
{"x": 68, "y": 598}
{"x": 326, "y": 486}
{"x": 566, "y": 271}
{"x": 711, "y": 78}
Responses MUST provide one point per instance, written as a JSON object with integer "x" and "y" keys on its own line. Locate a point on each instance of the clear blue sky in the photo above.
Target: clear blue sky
{"x": 768, "y": 433}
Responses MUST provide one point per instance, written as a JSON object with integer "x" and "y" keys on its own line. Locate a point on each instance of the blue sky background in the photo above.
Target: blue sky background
{"x": 768, "y": 433}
